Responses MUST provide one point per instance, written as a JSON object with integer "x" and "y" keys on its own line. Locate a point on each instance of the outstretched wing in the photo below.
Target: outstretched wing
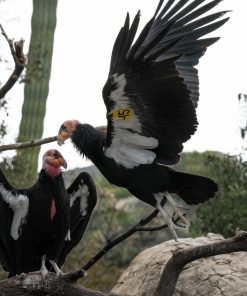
{"x": 83, "y": 198}
{"x": 152, "y": 89}
{"x": 13, "y": 211}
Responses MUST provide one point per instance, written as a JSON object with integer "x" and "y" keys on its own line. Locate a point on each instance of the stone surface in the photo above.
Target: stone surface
{"x": 222, "y": 275}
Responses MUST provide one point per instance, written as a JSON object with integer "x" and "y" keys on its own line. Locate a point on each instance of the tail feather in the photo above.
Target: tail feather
{"x": 194, "y": 189}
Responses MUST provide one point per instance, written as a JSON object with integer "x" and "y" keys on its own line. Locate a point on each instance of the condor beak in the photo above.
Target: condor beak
{"x": 62, "y": 137}
{"x": 65, "y": 165}
{"x": 66, "y": 131}
{"x": 59, "y": 160}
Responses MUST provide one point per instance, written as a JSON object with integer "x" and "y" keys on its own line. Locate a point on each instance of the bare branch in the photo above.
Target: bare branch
{"x": 118, "y": 239}
{"x": 38, "y": 142}
{"x": 112, "y": 242}
{"x": 180, "y": 258}
{"x": 33, "y": 284}
{"x": 16, "y": 49}
{"x": 143, "y": 229}
{"x": 31, "y": 143}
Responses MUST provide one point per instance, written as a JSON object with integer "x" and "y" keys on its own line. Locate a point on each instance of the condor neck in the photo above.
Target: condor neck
{"x": 45, "y": 176}
{"x": 88, "y": 141}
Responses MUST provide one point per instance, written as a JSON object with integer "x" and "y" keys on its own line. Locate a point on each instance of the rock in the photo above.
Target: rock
{"x": 222, "y": 275}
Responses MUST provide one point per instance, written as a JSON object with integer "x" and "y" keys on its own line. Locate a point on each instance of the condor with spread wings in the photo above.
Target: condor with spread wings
{"x": 151, "y": 96}
{"x": 41, "y": 224}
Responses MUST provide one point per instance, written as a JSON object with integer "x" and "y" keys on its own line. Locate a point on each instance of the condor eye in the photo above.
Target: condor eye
{"x": 63, "y": 127}
{"x": 56, "y": 154}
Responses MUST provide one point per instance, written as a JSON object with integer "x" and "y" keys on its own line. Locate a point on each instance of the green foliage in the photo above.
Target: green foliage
{"x": 227, "y": 212}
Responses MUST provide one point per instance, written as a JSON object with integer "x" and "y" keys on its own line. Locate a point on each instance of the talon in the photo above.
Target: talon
{"x": 171, "y": 225}
{"x": 56, "y": 268}
{"x": 177, "y": 208}
{"x": 180, "y": 226}
{"x": 180, "y": 214}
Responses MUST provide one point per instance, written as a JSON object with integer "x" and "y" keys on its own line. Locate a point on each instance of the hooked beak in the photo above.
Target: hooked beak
{"x": 60, "y": 142}
{"x": 60, "y": 160}
{"x": 62, "y": 137}
{"x": 65, "y": 165}
{"x": 66, "y": 131}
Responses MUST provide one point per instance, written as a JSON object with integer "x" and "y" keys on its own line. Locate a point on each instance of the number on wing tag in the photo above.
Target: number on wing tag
{"x": 124, "y": 114}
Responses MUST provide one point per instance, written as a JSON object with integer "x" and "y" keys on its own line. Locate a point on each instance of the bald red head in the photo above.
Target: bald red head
{"x": 53, "y": 161}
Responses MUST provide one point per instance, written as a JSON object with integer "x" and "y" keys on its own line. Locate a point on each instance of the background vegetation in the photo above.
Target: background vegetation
{"x": 227, "y": 212}
{"x": 116, "y": 211}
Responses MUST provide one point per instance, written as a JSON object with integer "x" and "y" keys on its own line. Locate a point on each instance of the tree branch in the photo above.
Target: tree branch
{"x": 180, "y": 258}
{"x": 115, "y": 240}
{"x": 112, "y": 242}
{"x": 27, "y": 144}
{"x": 16, "y": 49}
{"x": 33, "y": 284}
{"x": 33, "y": 143}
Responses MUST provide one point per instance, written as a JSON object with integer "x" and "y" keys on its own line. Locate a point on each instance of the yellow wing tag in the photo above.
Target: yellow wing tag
{"x": 124, "y": 114}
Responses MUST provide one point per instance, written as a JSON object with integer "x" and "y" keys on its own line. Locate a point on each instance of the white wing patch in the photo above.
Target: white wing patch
{"x": 128, "y": 148}
{"x": 82, "y": 193}
{"x": 122, "y": 102}
{"x": 19, "y": 204}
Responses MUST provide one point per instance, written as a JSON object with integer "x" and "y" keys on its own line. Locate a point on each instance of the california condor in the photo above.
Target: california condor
{"x": 151, "y": 96}
{"x": 41, "y": 224}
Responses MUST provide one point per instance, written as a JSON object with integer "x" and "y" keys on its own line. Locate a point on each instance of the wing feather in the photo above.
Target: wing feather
{"x": 17, "y": 201}
{"x": 12, "y": 216}
{"x": 153, "y": 87}
{"x": 83, "y": 199}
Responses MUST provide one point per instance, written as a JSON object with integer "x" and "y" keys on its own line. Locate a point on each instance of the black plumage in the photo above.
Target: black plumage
{"x": 41, "y": 224}
{"x": 151, "y": 96}
{"x": 82, "y": 193}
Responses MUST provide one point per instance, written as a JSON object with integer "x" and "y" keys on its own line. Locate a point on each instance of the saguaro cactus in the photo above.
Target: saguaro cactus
{"x": 37, "y": 83}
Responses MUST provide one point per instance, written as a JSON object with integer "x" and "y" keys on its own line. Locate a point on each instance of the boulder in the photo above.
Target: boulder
{"x": 222, "y": 275}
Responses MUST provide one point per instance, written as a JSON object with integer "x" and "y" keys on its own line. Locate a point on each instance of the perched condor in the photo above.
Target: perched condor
{"x": 151, "y": 95}
{"x": 41, "y": 224}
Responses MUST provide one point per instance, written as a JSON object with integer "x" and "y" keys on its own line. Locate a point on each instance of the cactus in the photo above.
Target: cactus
{"x": 36, "y": 84}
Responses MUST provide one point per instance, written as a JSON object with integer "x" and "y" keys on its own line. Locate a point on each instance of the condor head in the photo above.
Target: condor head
{"x": 53, "y": 161}
{"x": 66, "y": 131}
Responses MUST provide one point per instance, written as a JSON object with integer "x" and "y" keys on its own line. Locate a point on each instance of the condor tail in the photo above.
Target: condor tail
{"x": 194, "y": 189}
